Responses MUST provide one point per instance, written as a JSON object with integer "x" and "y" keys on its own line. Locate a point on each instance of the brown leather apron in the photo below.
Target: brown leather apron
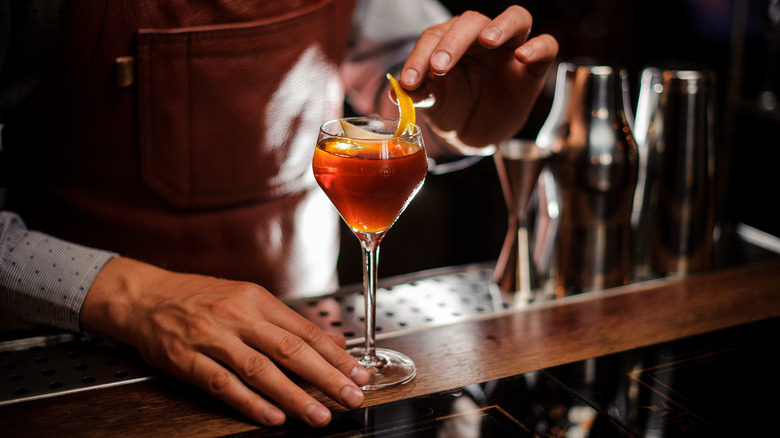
{"x": 202, "y": 162}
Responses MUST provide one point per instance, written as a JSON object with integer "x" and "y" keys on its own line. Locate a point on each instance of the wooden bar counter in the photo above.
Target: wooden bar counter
{"x": 492, "y": 347}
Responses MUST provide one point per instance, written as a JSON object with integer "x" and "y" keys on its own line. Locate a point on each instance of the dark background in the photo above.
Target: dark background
{"x": 461, "y": 217}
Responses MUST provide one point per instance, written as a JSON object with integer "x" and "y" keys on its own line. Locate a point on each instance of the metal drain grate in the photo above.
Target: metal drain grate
{"x": 409, "y": 303}
{"x": 44, "y": 366}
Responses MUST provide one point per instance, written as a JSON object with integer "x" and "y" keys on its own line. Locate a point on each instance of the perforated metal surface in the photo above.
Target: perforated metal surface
{"x": 407, "y": 303}
{"x": 48, "y": 365}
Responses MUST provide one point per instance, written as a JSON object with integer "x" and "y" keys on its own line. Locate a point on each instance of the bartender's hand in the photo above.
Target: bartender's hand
{"x": 484, "y": 74}
{"x": 226, "y": 337}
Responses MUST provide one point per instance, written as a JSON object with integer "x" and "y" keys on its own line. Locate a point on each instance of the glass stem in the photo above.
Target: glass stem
{"x": 370, "y": 245}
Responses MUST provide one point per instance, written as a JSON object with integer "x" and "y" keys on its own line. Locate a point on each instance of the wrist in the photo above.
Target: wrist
{"x": 116, "y": 293}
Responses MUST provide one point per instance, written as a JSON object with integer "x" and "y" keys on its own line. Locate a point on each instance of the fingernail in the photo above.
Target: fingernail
{"x": 440, "y": 60}
{"x": 359, "y": 375}
{"x": 527, "y": 51}
{"x": 409, "y": 76}
{"x": 492, "y": 33}
{"x": 273, "y": 417}
{"x": 351, "y": 396}
{"x": 317, "y": 415}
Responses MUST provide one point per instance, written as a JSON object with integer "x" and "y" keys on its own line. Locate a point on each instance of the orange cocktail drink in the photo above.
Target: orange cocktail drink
{"x": 369, "y": 181}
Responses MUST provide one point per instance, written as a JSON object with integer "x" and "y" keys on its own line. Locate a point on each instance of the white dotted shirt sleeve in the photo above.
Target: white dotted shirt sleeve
{"x": 43, "y": 280}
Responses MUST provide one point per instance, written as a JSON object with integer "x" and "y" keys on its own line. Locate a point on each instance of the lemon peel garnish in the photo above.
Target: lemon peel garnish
{"x": 406, "y": 109}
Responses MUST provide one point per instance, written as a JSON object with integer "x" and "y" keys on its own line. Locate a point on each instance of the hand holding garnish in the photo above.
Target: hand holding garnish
{"x": 484, "y": 75}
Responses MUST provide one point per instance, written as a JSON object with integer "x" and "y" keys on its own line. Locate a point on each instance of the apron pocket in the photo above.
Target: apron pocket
{"x": 218, "y": 123}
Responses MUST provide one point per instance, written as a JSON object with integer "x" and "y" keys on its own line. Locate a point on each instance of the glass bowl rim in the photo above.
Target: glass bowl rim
{"x": 388, "y": 121}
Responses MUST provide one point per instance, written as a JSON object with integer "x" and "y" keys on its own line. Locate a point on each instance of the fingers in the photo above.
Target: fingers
{"x": 416, "y": 66}
{"x": 440, "y": 47}
{"x": 224, "y": 385}
{"x": 463, "y": 32}
{"x": 246, "y": 367}
{"x": 538, "y": 53}
{"x": 282, "y": 337}
{"x": 512, "y": 26}
{"x": 332, "y": 373}
{"x": 258, "y": 371}
{"x": 285, "y": 318}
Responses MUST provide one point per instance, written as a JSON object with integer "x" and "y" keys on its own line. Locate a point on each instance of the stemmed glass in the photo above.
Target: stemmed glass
{"x": 370, "y": 176}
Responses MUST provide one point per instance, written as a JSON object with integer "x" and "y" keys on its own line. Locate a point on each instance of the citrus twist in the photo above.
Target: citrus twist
{"x": 405, "y": 107}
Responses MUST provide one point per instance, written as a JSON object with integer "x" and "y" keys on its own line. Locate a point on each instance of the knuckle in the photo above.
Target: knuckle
{"x": 245, "y": 289}
{"x": 518, "y": 16}
{"x": 200, "y": 329}
{"x": 222, "y": 305}
{"x": 433, "y": 32}
{"x": 218, "y": 381}
{"x": 551, "y": 42}
{"x": 165, "y": 358}
{"x": 237, "y": 303}
{"x": 309, "y": 332}
{"x": 176, "y": 351}
{"x": 520, "y": 10}
{"x": 474, "y": 15}
{"x": 256, "y": 366}
{"x": 228, "y": 306}
{"x": 290, "y": 347}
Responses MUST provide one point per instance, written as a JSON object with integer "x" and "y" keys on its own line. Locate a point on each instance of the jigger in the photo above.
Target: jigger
{"x": 519, "y": 163}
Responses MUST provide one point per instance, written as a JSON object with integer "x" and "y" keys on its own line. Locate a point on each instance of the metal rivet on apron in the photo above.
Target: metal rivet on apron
{"x": 125, "y": 71}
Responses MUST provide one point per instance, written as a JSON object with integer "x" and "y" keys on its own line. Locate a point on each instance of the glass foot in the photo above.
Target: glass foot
{"x": 387, "y": 368}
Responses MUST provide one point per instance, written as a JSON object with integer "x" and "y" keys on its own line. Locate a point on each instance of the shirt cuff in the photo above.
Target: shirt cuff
{"x": 44, "y": 280}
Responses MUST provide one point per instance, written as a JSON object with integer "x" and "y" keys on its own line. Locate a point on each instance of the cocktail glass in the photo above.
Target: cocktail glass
{"x": 370, "y": 177}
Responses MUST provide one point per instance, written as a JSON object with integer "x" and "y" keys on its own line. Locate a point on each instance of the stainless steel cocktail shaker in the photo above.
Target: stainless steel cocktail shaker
{"x": 674, "y": 206}
{"x": 595, "y": 168}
